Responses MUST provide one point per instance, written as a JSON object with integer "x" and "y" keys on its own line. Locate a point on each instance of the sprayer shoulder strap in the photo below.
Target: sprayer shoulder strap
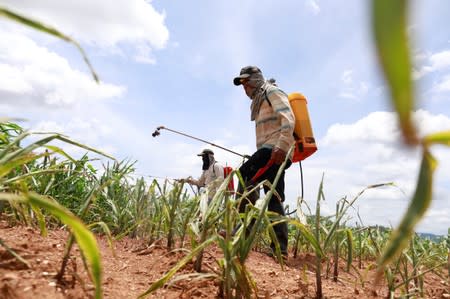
{"x": 214, "y": 168}
{"x": 266, "y": 97}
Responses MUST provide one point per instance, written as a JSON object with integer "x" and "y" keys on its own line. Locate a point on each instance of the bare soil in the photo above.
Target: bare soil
{"x": 131, "y": 268}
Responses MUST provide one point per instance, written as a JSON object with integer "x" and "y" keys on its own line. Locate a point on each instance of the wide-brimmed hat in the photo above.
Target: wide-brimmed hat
{"x": 206, "y": 152}
{"x": 246, "y": 73}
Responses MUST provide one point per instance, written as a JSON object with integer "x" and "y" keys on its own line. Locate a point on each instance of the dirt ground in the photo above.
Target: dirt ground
{"x": 135, "y": 266}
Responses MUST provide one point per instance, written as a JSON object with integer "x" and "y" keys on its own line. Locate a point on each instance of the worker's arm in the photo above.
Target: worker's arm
{"x": 200, "y": 182}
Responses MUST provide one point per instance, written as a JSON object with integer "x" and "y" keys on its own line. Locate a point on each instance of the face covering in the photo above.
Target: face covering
{"x": 208, "y": 160}
{"x": 205, "y": 159}
{"x": 255, "y": 81}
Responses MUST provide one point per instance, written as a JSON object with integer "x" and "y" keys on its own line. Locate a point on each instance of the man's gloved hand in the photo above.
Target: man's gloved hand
{"x": 278, "y": 155}
{"x": 188, "y": 180}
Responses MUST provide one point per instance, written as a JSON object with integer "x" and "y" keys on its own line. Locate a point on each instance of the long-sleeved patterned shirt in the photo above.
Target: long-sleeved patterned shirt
{"x": 275, "y": 121}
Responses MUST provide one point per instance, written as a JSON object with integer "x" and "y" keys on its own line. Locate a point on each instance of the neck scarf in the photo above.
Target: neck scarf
{"x": 258, "y": 97}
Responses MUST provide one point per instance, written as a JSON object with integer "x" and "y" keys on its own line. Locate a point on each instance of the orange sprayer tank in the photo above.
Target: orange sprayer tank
{"x": 305, "y": 144}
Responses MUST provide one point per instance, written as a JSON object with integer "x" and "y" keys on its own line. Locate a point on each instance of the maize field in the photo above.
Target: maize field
{"x": 93, "y": 215}
{"x": 70, "y": 228}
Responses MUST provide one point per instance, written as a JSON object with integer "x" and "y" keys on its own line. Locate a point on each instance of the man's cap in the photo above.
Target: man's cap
{"x": 246, "y": 73}
{"x": 206, "y": 152}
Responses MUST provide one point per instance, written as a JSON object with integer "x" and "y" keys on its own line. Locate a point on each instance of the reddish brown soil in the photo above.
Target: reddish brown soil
{"x": 136, "y": 266}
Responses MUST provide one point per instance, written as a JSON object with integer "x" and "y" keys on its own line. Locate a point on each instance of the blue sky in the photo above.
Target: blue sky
{"x": 171, "y": 63}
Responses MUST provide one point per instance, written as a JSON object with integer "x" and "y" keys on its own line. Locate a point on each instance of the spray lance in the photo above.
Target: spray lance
{"x": 158, "y": 129}
{"x": 260, "y": 172}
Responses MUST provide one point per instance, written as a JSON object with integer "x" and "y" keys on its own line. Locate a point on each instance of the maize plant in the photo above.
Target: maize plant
{"x": 18, "y": 181}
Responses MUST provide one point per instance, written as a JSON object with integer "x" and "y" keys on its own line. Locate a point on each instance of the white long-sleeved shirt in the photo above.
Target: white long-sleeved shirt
{"x": 210, "y": 178}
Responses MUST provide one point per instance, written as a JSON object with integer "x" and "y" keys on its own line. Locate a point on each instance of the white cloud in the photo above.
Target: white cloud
{"x": 436, "y": 62}
{"x": 376, "y": 127}
{"x": 369, "y": 151}
{"x": 33, "y": 75}
{"x": 313, "y": 6}
{"x": 351, "y": 89}
{"x": 428, "y": 123}
{"x": 86, "y": 130}
{"x": 443, "y": 86}
{"x": 347, "y": 77}
{"x": 144, "y": 54}
{"x": 363, "y": 88}
{"x": 12, "y": 80}
{"x": 347, "y": 95}
{"x": 101, "y": 22}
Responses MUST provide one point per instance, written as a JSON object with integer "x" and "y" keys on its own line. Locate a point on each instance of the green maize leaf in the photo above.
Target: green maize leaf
{"x": 389, "y": 20}
{"x": 308, "y": 236}
{"x": 91, "y": 149}
{"x": 432, "y": 269}
{"x": 5, "y": 168}
{"x": 349, "y": 235}
{"x": 12, "y": 146}
{"x": 107, "y": 232}
{"x": 245, "y": 283}
{"x": 333, "y": 228}
{"x": 43, "y": 142}
{"x": 3, "y": 138}
{"x": 47, "y": 29}
{"x": 438, "y": 138}
{"x": 163, "y": 280}
{"x": 41, "y": 220}
{"x": 274, "y": 239}
{"x": 58, "y": 150}
{"x": 417, "y": 208}
{"x": 30, "y": 174}
{"x": 85, "y": 239}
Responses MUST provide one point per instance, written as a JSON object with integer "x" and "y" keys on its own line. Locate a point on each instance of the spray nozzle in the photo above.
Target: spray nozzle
{"x": 157, "y": 133}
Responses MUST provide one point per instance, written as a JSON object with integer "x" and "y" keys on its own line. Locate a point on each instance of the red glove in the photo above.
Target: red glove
{"x": 278, "y": 155}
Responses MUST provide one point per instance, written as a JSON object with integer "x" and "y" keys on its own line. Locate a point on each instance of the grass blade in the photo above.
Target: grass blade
{"x": 389, "y": 20}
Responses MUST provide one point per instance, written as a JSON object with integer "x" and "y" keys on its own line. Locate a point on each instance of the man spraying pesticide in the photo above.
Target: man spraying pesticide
{"x": 213, "y": 172}
{"x": 212, "y": 175}
{"x": 281, "y": 121}
{"x": 276, "y": 121}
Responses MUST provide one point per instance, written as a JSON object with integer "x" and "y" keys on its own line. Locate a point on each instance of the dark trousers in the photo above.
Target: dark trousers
{"x": 258, "y": 160}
